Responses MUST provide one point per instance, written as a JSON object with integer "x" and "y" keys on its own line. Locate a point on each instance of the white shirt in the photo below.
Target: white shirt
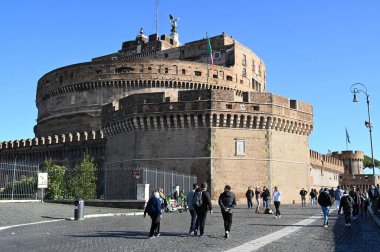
{"x": 276, "y": 196}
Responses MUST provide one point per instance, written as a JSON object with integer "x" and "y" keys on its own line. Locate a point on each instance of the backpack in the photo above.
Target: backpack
{"x": 197, "y": 199}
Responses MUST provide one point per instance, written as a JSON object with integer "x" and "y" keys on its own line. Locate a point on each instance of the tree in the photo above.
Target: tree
{"x": 81, "y": 180}
{"x": 367, "y": 162}
{"x": 56, "y": 179}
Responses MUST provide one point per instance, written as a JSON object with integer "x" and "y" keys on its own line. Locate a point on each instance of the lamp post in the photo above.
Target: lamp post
{"x": 355, "y": 89}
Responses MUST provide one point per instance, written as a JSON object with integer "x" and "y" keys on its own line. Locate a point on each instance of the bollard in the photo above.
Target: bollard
{"x": 78, "y": 209}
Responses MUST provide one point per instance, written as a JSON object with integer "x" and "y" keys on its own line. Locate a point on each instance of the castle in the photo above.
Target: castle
{"x": 159, "y": 107}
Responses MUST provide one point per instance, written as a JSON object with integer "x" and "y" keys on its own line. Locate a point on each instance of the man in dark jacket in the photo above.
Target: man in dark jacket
{"x": 356, "y": 205}
{"x": 265, "y": 194}
{"x": 346, "y": 203}
{"x": 249, "y": 195}
{"x": 202, "y": 209}
{"x": 303, "y": 194}
{"x": 154, "y": 210}
{"x": 325, "y": 201}
{"x": 227, "y": 201}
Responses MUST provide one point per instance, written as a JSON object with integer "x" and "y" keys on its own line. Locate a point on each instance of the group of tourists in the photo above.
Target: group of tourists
{"x": 199, "y": 205}
{"x": 352, "y": 203}
{"x": 263, "y": 195}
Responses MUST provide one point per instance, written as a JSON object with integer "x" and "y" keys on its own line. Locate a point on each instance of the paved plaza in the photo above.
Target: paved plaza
{"x": 47, "y": 227}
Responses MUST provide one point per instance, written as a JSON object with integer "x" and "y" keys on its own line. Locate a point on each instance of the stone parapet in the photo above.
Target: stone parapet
{"x": 202, "y": 109}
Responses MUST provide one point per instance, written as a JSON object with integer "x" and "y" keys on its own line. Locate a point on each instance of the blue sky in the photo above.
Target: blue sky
{"x": 313, "y": 50}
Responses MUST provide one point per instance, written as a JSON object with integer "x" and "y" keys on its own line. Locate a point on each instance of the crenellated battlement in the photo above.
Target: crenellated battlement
{"x": 206, "y": 108}
{"x": 52, "y": 140}
{"x": 325, "y": 161}
{"x": 347, "y": 155}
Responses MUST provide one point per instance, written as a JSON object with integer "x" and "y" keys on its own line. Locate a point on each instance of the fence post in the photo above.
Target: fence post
{"x": 13, "y": 180}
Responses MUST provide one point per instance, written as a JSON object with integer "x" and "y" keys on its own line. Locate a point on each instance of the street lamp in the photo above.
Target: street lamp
{"x": 355, "y": 89}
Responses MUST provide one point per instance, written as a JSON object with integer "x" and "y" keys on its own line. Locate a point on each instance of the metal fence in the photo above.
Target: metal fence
{"x": 18, "y": 180}
{"x": 119, "y": 180}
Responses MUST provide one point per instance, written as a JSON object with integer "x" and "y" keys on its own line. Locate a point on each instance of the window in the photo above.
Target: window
{"x": 149, "y": 69}
{"x": 256, "y": 108}
{"x": 198, "y": 73}
{"x": 229, "y": 78}
{"x": 244, "y": 73}
{"x": 239, "y": 147}
{"x": 253, "y": 66}
{"x": 228, "y": 106}
{"x": 244, "y": 62}
{"x": 166, "y": 70}
{"x": 114, "y": 58}
{"x": 293, "y": 104}
{"x": 216, "y": 55}
{"x": 183, "y": 71}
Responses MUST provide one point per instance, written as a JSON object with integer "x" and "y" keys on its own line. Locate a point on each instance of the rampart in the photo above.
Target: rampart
{"x": 329, "y": 163}
{"x": 206, "y": 108}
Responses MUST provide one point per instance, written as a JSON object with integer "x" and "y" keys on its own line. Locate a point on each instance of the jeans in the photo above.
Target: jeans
{"x": 312, "y": 201}
{"x": 347, "y": 217}
{"x": 155, "y": 227}
{"x": 193, "y": 220}
{"x": 355, "y": 210}
{"x": 227, "y": 218}
{"x": 249, "y": 202}
{"x": 337, "y": 203}
{"x": 277, "y": 206}
{"x": 325, "y": 211}
{"x": 265, "y": 204}
{"x": 201, "y": 221}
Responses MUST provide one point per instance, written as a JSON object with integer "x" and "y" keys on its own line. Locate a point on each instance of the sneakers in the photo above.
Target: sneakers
{"x": 279, "y": 216}
{"x": 151, "y": 237}
{"x": 348, "y": 224}
{"x": 191, "y": 233}
{"x": 157, "y": 235}
{"x": 227, "y": 235}
{"x": 275, "y": 217}
{"x": 195, "y": 232}
{"x": 326, "y": 226}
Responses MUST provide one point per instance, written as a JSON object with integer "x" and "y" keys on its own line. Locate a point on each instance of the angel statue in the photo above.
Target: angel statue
{"x": 173, "y": 22}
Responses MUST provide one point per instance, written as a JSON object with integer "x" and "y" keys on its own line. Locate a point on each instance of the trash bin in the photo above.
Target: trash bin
{"x": 78, "y": 209}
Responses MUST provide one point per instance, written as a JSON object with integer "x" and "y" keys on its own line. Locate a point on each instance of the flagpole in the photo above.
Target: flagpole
{"x": 208, "y": 71}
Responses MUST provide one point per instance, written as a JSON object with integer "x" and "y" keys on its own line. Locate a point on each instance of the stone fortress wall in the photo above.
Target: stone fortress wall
{"x": 162, "y": 105}
{"x": 69, "y": 99}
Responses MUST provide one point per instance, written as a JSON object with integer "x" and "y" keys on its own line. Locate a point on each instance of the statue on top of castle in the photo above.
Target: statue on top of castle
{"x": 174, "y": 23}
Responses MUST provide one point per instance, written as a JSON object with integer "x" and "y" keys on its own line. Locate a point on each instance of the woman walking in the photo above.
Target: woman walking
{"x": 227, "y": 201}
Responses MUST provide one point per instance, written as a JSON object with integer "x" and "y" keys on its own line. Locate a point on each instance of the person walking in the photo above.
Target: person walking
{"x": 325, "y": 201}
{"x": 227, "y": 201}
{"x": 258, "y": 198}
{"x": 338, "y": 193}
{"x": 313, "y": 197}
{"x": 192, "y": 210}
{"x": 249, "y": 195}
{"x": 303, "y": 194}
{"x": 277, "y": 201}
{"x": 202, "y": 205}
{"x": 356, "y": 205}
{"x": 154, "y": 210}
{"x": 346, "y": 203}
{"x": 364, "y": 203}
{"x": 265, "y": 195}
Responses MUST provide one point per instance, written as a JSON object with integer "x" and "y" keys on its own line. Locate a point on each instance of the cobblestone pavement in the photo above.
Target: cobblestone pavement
{"x": 129, "y": 233}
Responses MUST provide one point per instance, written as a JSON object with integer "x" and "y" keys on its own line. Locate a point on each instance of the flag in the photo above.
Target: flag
{"x": 209, "y": 50}
{"x": 347, "y": 136}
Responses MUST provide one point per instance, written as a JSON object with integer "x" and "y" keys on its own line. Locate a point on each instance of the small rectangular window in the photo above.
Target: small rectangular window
{"x": 244, "y": 61}
{"x": 229, "y": 78}
{"x": 240, "y": 147}
{"x": 256, "y": 108}
{"x": 183, "y": 71}
{"x": 216, "y": 55}
{"x": 166, "y": 70}
{"x": 293, "y": 104}
{"x": 198, "y": 73}
{"x": 228, "y": 106}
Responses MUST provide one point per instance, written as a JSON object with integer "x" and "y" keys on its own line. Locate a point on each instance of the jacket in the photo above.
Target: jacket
{"x": 355, "y": 196}
{"x": 346, "y": 203}
{"x": 338, "y": 194}
{"x": 190, "y": 200}
{"x": 303, "y": 193}
{"x": 249, "y": 194}
{"x": 324, "y": 199}
{"x": 265, "y": 194}
{"x": 227, "y": 200}
{"x": 206, "y": 201}
{"x": 153, "y": 207}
